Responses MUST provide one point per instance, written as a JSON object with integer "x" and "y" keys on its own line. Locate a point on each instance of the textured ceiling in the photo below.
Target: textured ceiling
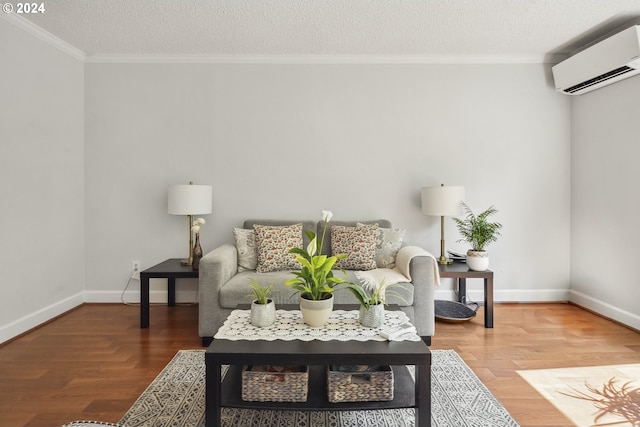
{"x": 333, "y": 27}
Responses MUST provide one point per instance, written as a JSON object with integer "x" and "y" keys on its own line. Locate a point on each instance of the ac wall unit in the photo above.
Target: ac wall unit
{"x": 606, "y": 62}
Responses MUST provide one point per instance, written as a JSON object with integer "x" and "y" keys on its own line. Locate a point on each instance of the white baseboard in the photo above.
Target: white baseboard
{"x": 604, "y": 309}
{"x": 509, "y": 295}
{"x": 39, "y": 317}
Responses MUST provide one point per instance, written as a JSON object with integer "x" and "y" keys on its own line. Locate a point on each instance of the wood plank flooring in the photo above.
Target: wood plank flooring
{"x": 93, "y": 362}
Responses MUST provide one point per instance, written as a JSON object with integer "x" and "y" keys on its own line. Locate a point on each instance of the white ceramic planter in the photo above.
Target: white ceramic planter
{"x": 477, "y": 260}
{"x": 315, "y": 313}
{"x": 263, "y": 315}
{"x": 373, "y": 317}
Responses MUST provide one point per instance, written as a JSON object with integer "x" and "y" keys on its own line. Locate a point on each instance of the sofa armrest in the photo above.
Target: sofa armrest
{"x": 216, "y": 268}
{"x": 422, "y": 271}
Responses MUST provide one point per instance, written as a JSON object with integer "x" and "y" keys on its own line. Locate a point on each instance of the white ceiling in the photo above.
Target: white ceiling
{"x": 536, "y": 28}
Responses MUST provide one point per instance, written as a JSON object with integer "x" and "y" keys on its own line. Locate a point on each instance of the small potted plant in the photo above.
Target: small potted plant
{"x": 372, "y": 303}
{"x": 478, "y": 232}
{"x": 263, "y": 309}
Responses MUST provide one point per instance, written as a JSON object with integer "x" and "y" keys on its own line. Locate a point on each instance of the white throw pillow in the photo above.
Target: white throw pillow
{"x": 387, "y": 246}
{"x": 246, "y": 247}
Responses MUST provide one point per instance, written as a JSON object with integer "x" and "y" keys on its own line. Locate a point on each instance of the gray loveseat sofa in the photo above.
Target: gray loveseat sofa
{"x": 222, "y": 286}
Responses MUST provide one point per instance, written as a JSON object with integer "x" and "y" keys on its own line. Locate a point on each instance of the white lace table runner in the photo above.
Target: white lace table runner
{"x": 342, "y": 326}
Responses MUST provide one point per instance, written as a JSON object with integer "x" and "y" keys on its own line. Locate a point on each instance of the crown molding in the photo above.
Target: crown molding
{"x": 321, "y": 59}
{"x": 45, "y": 36}
{"x": 76, "y": 53}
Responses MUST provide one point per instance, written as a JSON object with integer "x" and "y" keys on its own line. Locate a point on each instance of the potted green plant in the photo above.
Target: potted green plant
{"x": 263, "y": 309}
{"x": 315, "y": 281}
{"x": 372, "y": 303}
{"x": 478, "y": 232}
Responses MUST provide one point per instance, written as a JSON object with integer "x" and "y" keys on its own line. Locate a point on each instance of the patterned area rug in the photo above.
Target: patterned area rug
{"x": 592, "y": 395}
{"x": 176, "y": 398}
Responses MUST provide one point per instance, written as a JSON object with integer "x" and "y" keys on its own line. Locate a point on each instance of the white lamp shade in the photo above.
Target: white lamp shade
{"x": 190, "y": 199}
{"x": 442, "y": 201}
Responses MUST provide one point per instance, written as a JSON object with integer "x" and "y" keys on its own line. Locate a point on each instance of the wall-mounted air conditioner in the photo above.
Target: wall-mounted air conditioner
{"x": 606, "y": 62}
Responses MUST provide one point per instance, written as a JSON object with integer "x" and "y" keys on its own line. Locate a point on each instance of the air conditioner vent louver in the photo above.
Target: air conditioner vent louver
{"x": 600, "y": 78}
{"x": 606, "y": 62}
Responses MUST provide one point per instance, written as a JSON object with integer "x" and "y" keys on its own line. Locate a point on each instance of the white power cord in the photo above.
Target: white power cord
{"x": 127, "y": 286}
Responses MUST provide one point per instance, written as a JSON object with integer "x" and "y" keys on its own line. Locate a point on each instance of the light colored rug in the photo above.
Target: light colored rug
{"x": 591, "y": 396}
{"x": 176, "y": 398}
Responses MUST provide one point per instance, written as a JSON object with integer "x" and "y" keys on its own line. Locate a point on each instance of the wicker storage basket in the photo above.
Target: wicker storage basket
{"x": 266, "y": 383}
{"x": 359, "y": 385}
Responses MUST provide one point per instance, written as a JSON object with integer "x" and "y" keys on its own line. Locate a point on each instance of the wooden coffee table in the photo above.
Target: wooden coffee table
{"x": 317, "y": 354}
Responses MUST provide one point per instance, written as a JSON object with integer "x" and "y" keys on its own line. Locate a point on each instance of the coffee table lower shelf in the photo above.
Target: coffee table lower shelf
{"x": 404, "y": 393}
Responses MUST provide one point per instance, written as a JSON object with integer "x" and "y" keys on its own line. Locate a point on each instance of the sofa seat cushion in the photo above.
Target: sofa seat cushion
{"x": 238, "y": 289}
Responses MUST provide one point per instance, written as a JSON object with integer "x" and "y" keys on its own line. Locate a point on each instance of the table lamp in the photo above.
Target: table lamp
{"x": 190, "y": 200}
{"x": 442, "y": 201}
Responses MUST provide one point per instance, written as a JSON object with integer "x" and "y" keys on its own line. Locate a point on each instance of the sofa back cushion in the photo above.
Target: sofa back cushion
{"x": 388, "y": 243}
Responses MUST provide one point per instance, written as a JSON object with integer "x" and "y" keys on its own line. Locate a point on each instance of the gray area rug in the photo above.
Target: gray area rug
{"x": 177, "y": 398}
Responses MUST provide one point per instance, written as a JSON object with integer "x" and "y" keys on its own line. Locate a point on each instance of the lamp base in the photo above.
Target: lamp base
{"x": 445, "y": 261}
{"x": 185, "y": 262}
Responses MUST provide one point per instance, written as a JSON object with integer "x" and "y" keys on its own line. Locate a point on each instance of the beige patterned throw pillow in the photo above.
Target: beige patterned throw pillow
{"x": 246, "y": 247}
{"x": 358, "y": 243}
{"x": 273, "y": 244}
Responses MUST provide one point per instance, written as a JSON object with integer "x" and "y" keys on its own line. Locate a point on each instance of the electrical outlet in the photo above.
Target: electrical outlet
{"x": 135, "y": 270}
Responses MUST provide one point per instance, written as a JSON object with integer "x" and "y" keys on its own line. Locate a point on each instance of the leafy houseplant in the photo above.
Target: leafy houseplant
{"x": 261, "y": 293}
{"x": 263, "y": 309}
{"x": 372, "y": 303}
{"x": 375, "y": 297}
{"x": 478, "y": 232}
{"x": 315, "y": 280}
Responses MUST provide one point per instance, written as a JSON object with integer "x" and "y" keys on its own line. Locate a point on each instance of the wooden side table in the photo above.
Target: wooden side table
{"x": 460, "y": 272}
{"x": 170, "y": 269}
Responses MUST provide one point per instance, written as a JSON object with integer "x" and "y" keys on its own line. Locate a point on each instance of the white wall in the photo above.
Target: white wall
{"x": 288, "y": 140}
{"x": 41, "y": 181}
{"x": 605, "y": 201}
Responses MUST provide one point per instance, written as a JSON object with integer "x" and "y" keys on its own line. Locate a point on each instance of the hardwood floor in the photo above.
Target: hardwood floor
{"x": 93, "y": 362}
